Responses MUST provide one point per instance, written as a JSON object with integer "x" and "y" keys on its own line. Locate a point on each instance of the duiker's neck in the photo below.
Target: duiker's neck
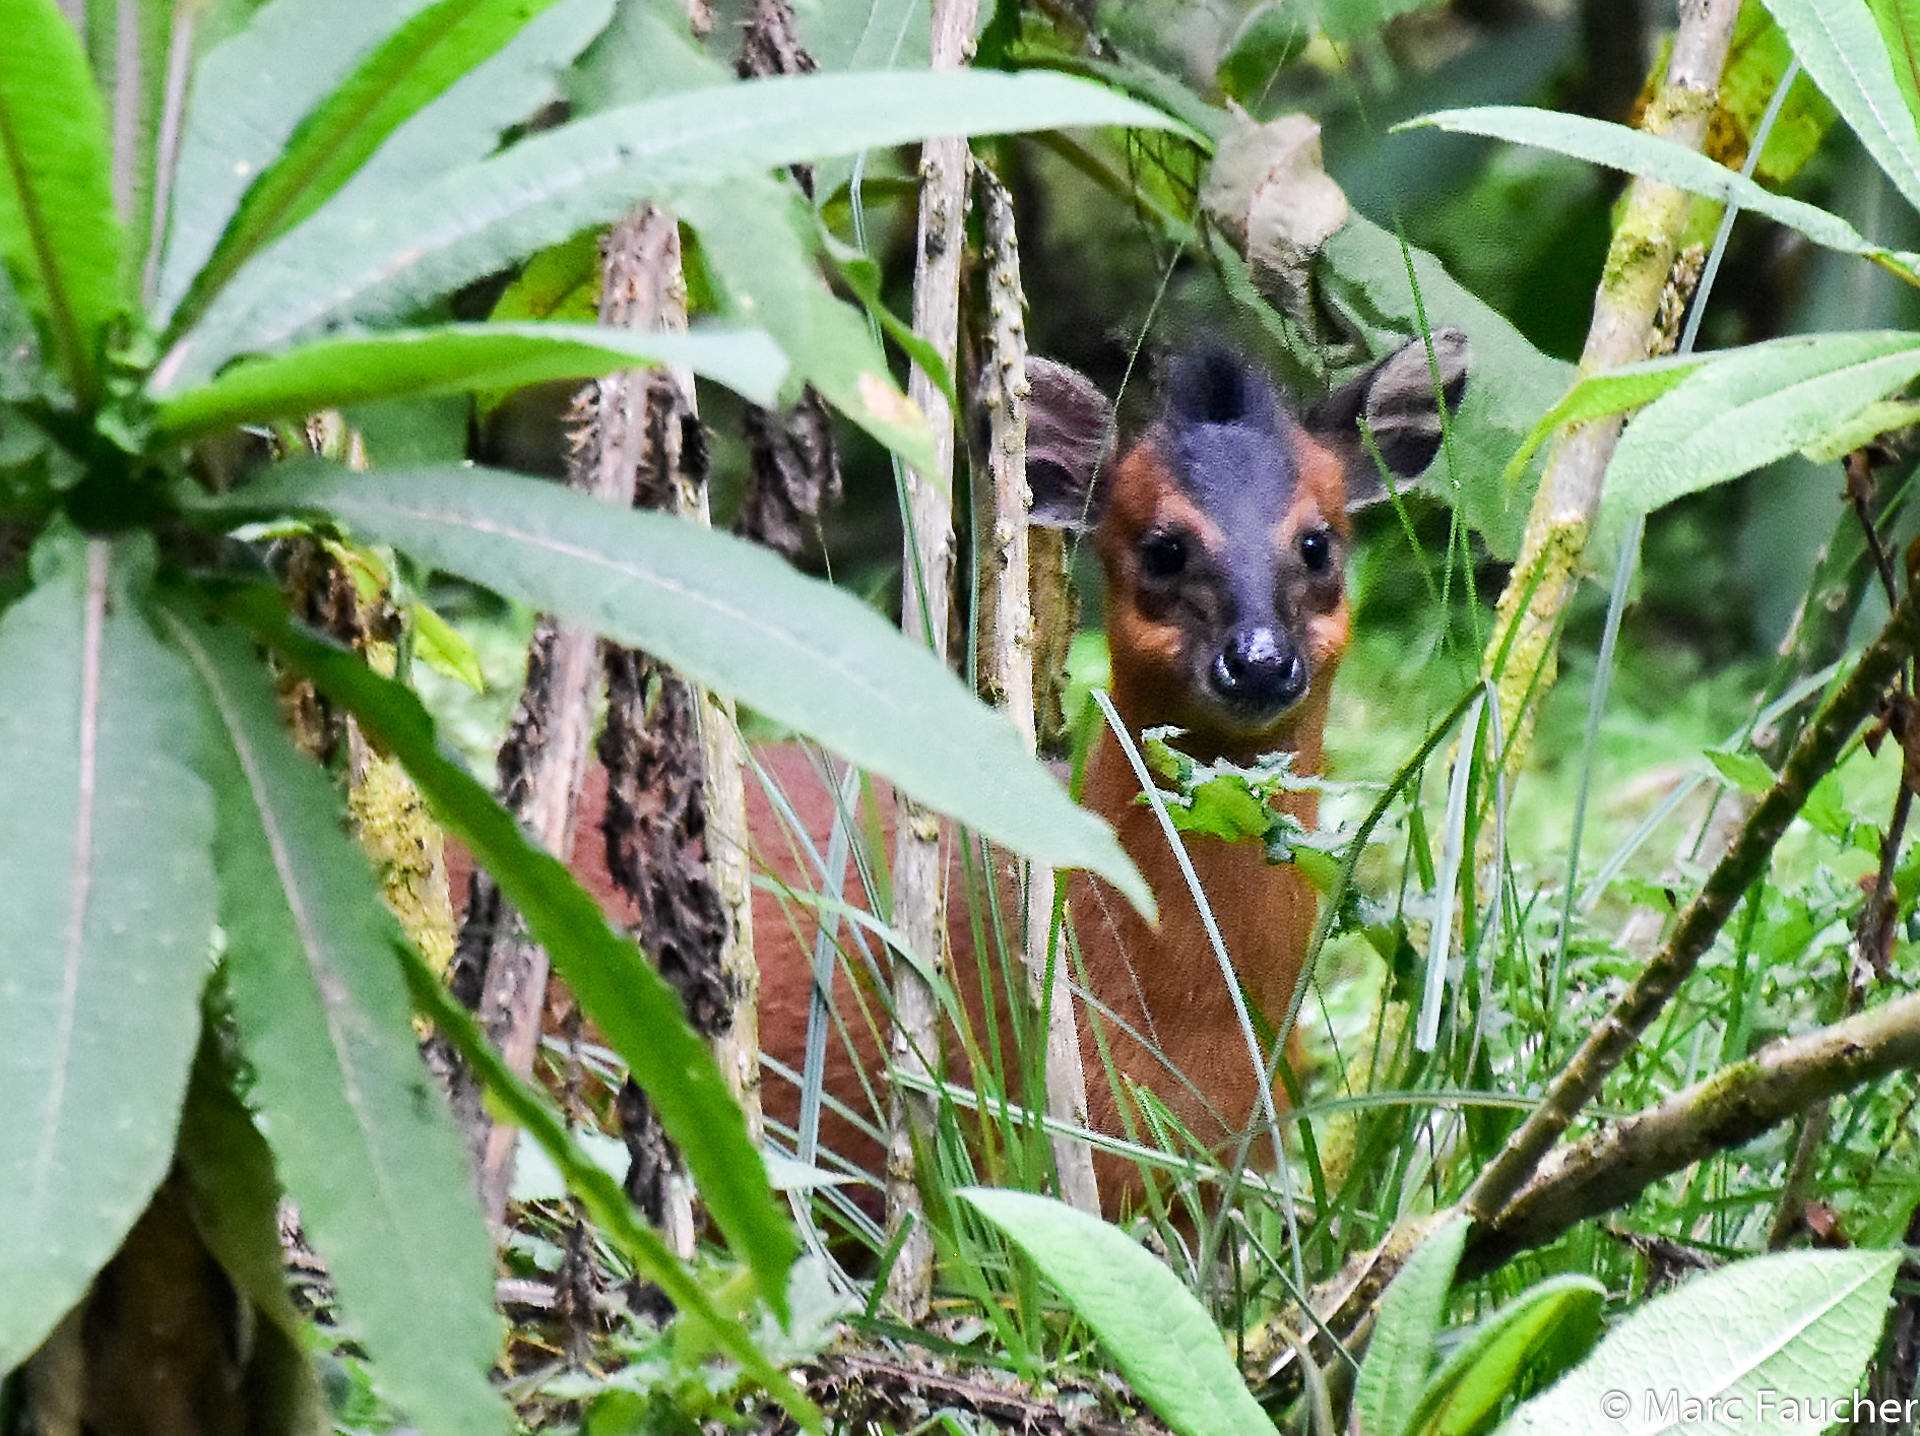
{"x": 1263, "y": 909}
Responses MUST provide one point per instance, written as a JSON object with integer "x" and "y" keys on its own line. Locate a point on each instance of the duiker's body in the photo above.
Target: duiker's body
{"x": 1222, "y": 534}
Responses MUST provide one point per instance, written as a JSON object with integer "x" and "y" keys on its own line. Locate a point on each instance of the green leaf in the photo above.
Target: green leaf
{"x": 1743, "y": 411}
{"x": 362, "y": 1138}
{"x": 618, "y": 990}
{"x": 375, "y": 263}
{"x": 1899, "y": 22}
{"x": 406, "y": 73}
{"x": 1612, "y": 391}
{"x": 1839, "y": 43}
{"x": 1531, "y": 1339}
{"x": 730, "y": 616}
{"x": 597, "y": 1191}
{"x": 107, "y": 910}
{"x": 249, "y": 96}
{"x": 1621, "y": 148}
{"x": 443, "y": 648}
{"x": 455, "y": 358}
{"x": 1401, "y": 1352}
{"x": 58, "y": 234}
{"x": 1757, "y": 62}
{"x": 1159, "y": 1336}
{"x": 1784, "y": 1330}
{"x": 1347, "y": 20}
{"x": 234, "y": 1198}
{"x": 751, "y": 236}
{"x": 1745, "y": 771}
{"x": 127, "y": 43}
{"x": 1877, "y": 420}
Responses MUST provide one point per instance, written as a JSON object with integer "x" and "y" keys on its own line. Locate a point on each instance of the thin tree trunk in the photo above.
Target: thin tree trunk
{"x": 1520, "y": 653}
{"x": 1006, "y": 644}
{"x": 919, "y": 863}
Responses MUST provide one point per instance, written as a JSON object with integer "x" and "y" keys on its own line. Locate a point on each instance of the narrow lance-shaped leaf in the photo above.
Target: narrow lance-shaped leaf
{"x": 1840, "y": 45}
{"x": 412, "y": 67}
{"x": 1743, "y": 411}
{"x": 249, "y": 95}
{"x": 618, "y": 990}
{"x": 465, "y": 124}
{"x": 459, "y": 358}
{"x": 1534, "y": 1337}
{"x": 362, "y": 1140}
{"x": 106, "y": 922}
{"x": 1899, "y": 22}
{"x": 369, "y": 265}
{"x": 1401, "y": 1352}
{"x": 1636, "y": 152}
{"x": 1160, "y": 1337}
{"x": 730, "y": 616}
{"x": 58, "y": 233}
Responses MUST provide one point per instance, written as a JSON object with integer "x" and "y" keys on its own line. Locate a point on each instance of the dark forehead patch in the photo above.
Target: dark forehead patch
{"x": 1227, "y": 440}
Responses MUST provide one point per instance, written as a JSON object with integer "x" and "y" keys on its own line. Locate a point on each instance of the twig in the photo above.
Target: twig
{"x": 1729, "y": 1108}
{"x": 919, "y": 866}
{"x": 1006, "y": 628}
{"x": 1815, "y": 753}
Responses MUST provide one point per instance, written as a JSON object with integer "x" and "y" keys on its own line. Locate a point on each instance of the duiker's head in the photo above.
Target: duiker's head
{"x": 1223, "y": 526}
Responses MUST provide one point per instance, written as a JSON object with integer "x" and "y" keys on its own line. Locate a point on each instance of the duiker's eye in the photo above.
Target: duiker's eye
{"x": 1316, "y": 550}
{"x": 1163, "y": 554}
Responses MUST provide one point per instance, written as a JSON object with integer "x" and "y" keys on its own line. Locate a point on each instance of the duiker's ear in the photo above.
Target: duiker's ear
{"x": 1396, "y": 401}
{"x": 1069, "y": 434}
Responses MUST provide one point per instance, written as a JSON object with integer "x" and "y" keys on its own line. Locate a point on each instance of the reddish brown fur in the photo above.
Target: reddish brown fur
{"x": 1172, "y": 1026}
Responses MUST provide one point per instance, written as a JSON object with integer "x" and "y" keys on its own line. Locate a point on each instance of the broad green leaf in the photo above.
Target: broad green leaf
{"x": 1534, "y": 1337}
{"x": 465, "y": 123}
{"x": 455, "y": 358}
{"x": 59, "y": 237}
{"x": 443, "y": 648}
{"x": 1744, "y": 410}
{"x": 106, "y": 922}
{"x": 1839, "y": 43}
{"x": 1367, "y": 282}
{"x": 1899, "y": 22}
{"x": 402, "y": 76}
{"x": 127, "y": 43}
{"x": 1621, "y": 148}
{"x": 751, "y": 237}
{"x": 1877, "y": 420}
{"x": 249, "y": 96}
{"x": 363, "y": 1142}
{"x": 375, "y": 264}
{"x": 618, "y": 990}
{"x": 234, "y": 1197}
{"x": 1758, "y": 1338}
{"x": 1612, "y": 391}
{"x": 730, "y": 616}
{"x": 1401, "y": 1352}
{"x": 1757, "y": 62}
{"x": 1347, "y": 20}
{"x": 1747, "y": 772}
{"x": 646, "y": 51}
{"x": 597, "y": 1191}
{"x": 1159, "y": 1336}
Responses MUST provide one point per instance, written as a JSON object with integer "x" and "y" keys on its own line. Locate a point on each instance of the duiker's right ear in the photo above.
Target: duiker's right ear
{"x": 1069, "y": 435}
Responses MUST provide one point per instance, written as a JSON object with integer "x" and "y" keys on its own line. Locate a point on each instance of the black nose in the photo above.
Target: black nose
{"x": 1259, "y": 667}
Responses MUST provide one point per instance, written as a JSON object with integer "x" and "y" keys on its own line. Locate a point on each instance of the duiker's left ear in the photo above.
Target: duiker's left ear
{"x": 1397, "y": 401}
